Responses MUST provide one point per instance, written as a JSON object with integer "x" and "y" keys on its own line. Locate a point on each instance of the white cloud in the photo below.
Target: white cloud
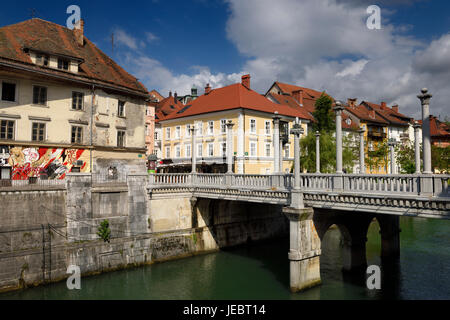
{"x": 353, "y": 69}
{"x": 123, "y": 38}
{"x": 151, "y": 37}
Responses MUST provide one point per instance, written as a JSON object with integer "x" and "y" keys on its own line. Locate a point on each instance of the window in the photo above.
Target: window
{"x": 6, "y": 130}
{"x": 156, "y": 135}
{"x": 121, "y": 138}
{"x": 252, "y": 149}
{"x": 38, "y": 131}
{"x": 77, "y": 134}
{"x": 167, "y": 152}
{"x": 211, "y": 127}
{"x": 224, "y": 149}
{"x": 121, "y": 109}
{"x": 187, "y": 151}
{"x": 178, "y": 132}
{"x": 199, "y": 150}
{"x": 177, "y": 152}
{"x": 168, "y": 133}
{"x": 77, "y": 100}
{"x": 42, "y": 60}
{"x": 199, "y": 126}
{"x": 223, "y": 126}
{"x": 210, "y": 149}
{"x": 63, "y": 64}
{"x": 268, "y": 147}
{"x": 40, "y": 95}
{"x": 267, "y": 127}
{"x": 188, "y": 130}
{"x": 252, "y": 125}
{"x": 287, "y": 150}
{"x": 8, "y": 91}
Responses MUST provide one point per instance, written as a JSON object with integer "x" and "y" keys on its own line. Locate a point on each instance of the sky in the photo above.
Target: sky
{"x": 320, "y": 44}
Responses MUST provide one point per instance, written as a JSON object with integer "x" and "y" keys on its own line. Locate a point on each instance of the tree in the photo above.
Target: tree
{"x": 327, "y": 153}
{"x": 378, "y": 156}
{"x": 405, "y": 155}
{"x": 440, "y": 158}
{"x": 323, "y": 114}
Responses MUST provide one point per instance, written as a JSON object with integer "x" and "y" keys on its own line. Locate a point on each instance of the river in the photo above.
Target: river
{"x": 261, "y": 271}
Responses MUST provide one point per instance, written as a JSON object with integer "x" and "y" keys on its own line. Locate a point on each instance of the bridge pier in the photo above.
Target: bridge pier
{"x": 390, "y": 236}
{"x": 304, "y": 249}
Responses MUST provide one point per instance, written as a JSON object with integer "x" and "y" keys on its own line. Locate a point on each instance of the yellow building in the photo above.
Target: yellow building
{"x": 65, "y": 106}
{"x": 252, "y": 133}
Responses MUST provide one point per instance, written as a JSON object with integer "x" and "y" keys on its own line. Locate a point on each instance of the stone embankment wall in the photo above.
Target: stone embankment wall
{"x": 44, "y": 230}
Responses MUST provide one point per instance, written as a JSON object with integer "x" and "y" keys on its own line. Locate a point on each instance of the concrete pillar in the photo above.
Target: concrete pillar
{"x": 417, "y": 146}
{"x": 276, "y": 145}
{"x": 304, "y": 249}
{"x": 230, "y": 149}
{"x": 296, "y": 194}
{"x": 240, "y": 142}
{"x": 362, "y": 165}
{"x": 392, "y": 143}
{"x": 317, "y": 152}
{"x": 390, "y": 236}
{"x": 426, "y": 135}
{"x": 338, "y": 109}
{"x": 193, "y": 150}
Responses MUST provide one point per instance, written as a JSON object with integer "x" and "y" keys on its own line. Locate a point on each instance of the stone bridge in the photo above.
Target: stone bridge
{"x": 315, "y": 202}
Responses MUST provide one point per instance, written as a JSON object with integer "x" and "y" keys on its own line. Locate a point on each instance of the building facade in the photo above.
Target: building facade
{"x": 65, "y": 106}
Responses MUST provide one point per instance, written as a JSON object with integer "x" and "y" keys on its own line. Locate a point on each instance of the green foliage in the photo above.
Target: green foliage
{"x": 104, "y": 231}
{"x": 324, "y": 114}
{"x": 327, "y": 153}
{"x": 405, "y": 155}
{"x": 440, "y": 158}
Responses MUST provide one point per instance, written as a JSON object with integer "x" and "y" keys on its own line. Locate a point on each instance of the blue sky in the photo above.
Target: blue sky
{"x": 321, "y": 44}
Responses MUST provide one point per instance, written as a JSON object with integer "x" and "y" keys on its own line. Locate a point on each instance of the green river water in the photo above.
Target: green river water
{"x": 261, "y": 271}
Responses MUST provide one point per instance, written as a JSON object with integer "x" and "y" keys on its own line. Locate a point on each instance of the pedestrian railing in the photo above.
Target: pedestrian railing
{"x": 33, "y": 182}
{"x": 435, "y": 185}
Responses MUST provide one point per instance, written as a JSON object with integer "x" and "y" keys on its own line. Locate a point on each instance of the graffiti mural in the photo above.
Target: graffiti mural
{"x": 51, "y": 162}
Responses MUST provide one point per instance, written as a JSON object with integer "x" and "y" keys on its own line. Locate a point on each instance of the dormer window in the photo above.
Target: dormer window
{"x": 42, "y": 60}
{"x": 63, "y": 64}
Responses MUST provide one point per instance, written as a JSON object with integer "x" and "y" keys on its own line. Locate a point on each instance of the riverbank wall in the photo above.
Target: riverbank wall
{"x": 45, "y": 228}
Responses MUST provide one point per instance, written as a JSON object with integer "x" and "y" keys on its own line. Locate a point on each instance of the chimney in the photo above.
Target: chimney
{"x": 170, "y": 93}
{"x": 246, "y": 81}
{"x": 395, "y": 108}
{"x": 298, "y": 95}
{"x": 352, "y": 102}
{"x": 175, "y": 96}
{"x": 79, "y": 32}
{"x": 383, "y": 105}
{"x": 207, "y": 89}
{"x": 193, "y": 91}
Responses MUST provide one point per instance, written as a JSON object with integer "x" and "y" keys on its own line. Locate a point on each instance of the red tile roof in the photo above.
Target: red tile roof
{"x": 52, "y": 38}
{"x": 390, "y": 115}
{"x": 438, "y": 129}
{"x": 234, "y": 96}
{"x": 289, "y": 88}
{"x": 290, "y": 101}
{"x": 362, "y": 113}
{"x": 156, "y": 94}
{"x": 168, "y": 105}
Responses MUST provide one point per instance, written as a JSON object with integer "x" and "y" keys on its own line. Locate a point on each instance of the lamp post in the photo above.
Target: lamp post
{"x": 297, "y": 196}
{"x": 276, "y": 142}
{"x": 193, "y": 155}
{"x": 230, "y": 125}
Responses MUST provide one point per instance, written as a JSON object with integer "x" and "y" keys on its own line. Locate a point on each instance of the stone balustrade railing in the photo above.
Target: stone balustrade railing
{"x": 431, "y": 185}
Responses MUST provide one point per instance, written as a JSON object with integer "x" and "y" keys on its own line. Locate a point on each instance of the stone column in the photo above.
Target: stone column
{"x": 417, "y": 146}
{"x": 426, "y": 135}
{"x": 304, "y": 249}
{"x": 230, "y": 149}
{"x": 317, "y": 152}
{"x": 338, "y": 109}
{"x": 193, "y": 150}
{"x": 391, "y": 145}
{"x": 362, "y": 166}
{"x": 240, "y": 143}
{"x": 276, "y": 142}
{"x": 281, "y": 156}
{"x": 296, "y": 194}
